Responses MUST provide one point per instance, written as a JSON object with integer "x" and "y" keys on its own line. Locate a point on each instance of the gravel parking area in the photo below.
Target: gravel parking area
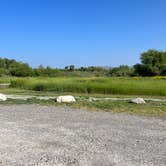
{"x": 49, "y": 135}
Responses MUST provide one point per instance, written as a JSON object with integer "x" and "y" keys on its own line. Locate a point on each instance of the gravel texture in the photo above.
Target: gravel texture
{"x": 48, "y": 135}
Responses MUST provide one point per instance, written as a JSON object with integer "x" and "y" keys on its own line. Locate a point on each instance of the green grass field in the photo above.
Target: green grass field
{"x": 155, "y": 86}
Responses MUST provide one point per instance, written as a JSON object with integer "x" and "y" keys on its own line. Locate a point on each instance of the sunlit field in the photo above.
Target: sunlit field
{"x": 96, "y": 85}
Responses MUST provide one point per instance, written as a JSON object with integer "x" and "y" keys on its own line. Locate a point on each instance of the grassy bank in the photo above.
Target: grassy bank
{"x": 122, "y": 86}
{"x": 151, "y": 108}
{"x": 154, "y": 87}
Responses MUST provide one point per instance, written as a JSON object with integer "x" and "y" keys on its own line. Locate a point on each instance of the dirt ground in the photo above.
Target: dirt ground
{"x": 49, "y": 135}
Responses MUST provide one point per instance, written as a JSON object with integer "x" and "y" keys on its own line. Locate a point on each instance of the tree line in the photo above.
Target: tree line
{"x": 153, "y": 63}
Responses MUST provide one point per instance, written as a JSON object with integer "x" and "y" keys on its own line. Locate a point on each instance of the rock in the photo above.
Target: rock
{"x": 91, "y": 99}
{"x": 3, "y": 97}
{"x": 138, "y": 101}
{"x": 65, "y": 99}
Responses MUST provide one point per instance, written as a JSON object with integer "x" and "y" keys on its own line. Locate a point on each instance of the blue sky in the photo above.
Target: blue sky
{"x": 81, "y": 32}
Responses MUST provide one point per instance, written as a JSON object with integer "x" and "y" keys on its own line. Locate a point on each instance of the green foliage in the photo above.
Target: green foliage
{"x": 18, "y": 82}
{"x": 153, "y": 63}
{"x": 121, "y": 71}
{"x": 3, "y": 72}
{"x": 46, "y": 72}
{"x": 145, "y": 70}
{"x": 21, "y": 70}
{"x": 13, "y": 68}
{"x": 125, "y": 86}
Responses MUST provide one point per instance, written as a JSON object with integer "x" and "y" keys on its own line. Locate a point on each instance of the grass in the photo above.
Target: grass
{"x": 118, "y": 86}
{"x": 154, "y": 87}
{"x": 5, "y": 80}
{"x": 148, "y": 109}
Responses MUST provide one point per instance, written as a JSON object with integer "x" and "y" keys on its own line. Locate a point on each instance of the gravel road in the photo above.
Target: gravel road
{"x": 49, "y": 135}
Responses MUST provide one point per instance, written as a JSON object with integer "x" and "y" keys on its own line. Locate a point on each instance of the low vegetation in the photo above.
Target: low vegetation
{"x": 26, "y": 86}
{"x": 153, "y": 63}
{"x": 91, "y": 81}
{"x": 154, "y": 86}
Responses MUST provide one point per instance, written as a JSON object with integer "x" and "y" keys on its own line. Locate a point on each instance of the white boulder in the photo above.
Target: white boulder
{"x": 65, "y": 99}
{"x": 3, "y": 97}
{"x": 138, "y": 101}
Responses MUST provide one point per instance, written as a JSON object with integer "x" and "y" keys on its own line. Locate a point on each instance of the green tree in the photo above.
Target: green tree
{"x": 20, "y": 70}
{"x": 71, "y": 67}
{"x": 121, "y": 71}
{"x": 152, "y": 63}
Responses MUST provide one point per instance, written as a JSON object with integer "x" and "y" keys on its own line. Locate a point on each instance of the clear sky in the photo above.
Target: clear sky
{"x": 81, "y": 32}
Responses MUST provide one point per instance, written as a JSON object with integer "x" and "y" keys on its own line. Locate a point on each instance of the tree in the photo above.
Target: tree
{"x": 66, "y": 67}
{"x": 71, "y": 67}
{"x": 152, "y": 63}
{"x": 120, "y": 71}
{"x": 145, "y": 70}
{"x": 163, "y": 70}
{"x": 20, "y": 70}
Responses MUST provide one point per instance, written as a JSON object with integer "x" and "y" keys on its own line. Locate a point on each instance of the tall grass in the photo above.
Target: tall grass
{"x": 126, "y": 86}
